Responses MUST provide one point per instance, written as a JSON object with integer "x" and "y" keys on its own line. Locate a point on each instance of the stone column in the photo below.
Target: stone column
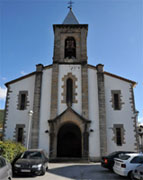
{"x": 83, "y": 44}
{"x": 54, "y": 91}
{"x": 102, "y": 110}
{"x": 84, "y": 74}
{"x": 6, "y": 111}
{"x": 134, "y": 117}
{"x": 52, "y": 149}
{"x": 36, "y": 107}
{"x": 85, "y": 145}
{"x": 54, "y": 107}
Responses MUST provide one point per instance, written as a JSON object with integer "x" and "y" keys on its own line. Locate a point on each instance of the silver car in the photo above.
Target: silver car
{"x": 138, "y": 173}
{"x": 5, "y": 169}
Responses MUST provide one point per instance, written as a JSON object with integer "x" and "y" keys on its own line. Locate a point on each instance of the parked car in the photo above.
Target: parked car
{"x": 127, "y": 163}
{"x": 108, "y": 161}
{"x": 34, "y": 161}
{"x": 5, "y": 169}
{"x": 137, "y": 173}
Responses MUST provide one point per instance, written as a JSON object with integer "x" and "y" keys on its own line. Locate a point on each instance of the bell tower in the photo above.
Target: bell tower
{"x": 70, "y": 41}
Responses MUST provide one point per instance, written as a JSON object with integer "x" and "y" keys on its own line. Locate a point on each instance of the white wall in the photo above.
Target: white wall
{"x": 45, "y": 109}
{"x": 94, "y": 137}
{"x": 16, "y": 116}
{"x": 76, "y": 71}
{"x": 123, "y": 116}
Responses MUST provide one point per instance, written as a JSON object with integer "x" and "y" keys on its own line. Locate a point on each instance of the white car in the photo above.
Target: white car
{"x": 5, "y": 170}
{"x": 124, "y": 165}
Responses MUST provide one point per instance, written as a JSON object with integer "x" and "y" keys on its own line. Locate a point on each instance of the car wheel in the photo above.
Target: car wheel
{"x": 131, "y": 176}
{"x": 43, "y": 171}
{"x": 47, "y": 168}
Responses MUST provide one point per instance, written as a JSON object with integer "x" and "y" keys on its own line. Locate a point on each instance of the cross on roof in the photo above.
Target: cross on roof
{"x": 70, "y": 4}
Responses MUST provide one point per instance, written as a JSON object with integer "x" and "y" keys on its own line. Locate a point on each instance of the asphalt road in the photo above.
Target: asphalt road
{"x": 75, "y": 171}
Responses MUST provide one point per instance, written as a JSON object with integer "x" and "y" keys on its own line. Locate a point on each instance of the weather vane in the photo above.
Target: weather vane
{"x": 70, "y": 4}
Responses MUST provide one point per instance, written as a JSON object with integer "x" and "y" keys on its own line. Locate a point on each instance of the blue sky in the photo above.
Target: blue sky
{"x": 115, "y": 37}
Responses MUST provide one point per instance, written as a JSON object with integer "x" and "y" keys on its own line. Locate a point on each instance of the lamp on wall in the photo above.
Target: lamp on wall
{"x": 91, "y": 130}
{"x": 47, "y": 131}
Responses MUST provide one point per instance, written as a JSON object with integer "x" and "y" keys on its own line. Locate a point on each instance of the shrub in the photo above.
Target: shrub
{"x": 10, "y": 149}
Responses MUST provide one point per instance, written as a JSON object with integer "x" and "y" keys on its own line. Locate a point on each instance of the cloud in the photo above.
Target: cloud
{"x": 2, "y": 93}
{"x": 22, "y": 73}
{"x": 140, "y": 119}
{"x": 3, "y": 78}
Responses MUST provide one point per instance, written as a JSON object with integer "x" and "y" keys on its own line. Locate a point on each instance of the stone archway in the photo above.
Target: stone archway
{"x": 69, "y": 141}
{"x": 75, "y": 128}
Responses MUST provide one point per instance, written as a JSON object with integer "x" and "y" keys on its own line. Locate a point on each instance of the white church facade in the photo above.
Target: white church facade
{"x": 79, "y": 110}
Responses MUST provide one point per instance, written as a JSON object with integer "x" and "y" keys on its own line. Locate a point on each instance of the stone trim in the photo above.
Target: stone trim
{"x": 64, "y": 79}
{"x": 84, "y": 75}
{"x": 54, "y": 91}
{"x": 19, "y": 100}
{"x": 69, "y": 116}
{"x": 120, "y": 99}
{"x": 134, "y": 117}
{"x": 6, "y": 111}
{"x": 121, "y": 126}
{"x": 36, "y": 107}
{"x": 102, "y": 110}
{"x": 16, "y": 132}
{"x": 65, "y": 26}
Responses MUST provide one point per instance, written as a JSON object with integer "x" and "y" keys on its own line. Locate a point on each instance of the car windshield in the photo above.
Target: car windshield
{"x": 124, "y": 157}
{"x": 31, "y": 155}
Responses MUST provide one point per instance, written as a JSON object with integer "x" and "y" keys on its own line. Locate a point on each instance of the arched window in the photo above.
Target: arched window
{"x": 69, "y": 92}
{"x": 70, "y": 48}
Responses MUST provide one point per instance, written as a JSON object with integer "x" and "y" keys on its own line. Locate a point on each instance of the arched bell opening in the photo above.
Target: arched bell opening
{"x": 70, "y": 48}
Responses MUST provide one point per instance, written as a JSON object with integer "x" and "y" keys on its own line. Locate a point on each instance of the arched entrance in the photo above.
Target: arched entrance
{"x": 69, "y": 141}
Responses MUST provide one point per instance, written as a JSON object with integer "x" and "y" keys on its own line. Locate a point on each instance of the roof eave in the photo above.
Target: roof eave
{"x": 26, "y": 76}
{"x": 121, "y": 78}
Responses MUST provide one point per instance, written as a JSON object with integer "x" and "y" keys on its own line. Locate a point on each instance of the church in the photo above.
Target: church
{"x": 70, "y": 108}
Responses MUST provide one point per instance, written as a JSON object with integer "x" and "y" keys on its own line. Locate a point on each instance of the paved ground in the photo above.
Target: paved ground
{"x": 75, "y": 171}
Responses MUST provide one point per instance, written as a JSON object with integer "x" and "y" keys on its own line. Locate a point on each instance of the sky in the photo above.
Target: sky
{"x": 115, "y": 37}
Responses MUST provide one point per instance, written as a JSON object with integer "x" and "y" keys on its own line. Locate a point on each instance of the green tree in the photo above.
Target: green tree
{"x": 1, "y": 117}
{"x": 10, "y": 149}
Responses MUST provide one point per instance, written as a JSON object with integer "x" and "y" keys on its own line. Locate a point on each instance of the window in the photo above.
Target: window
{"x": 119, "y": 136}
{"x": 69, "y": 92}
{"x": 69, "y": 88}
{"x": 20, "y": 135}
{"x": 70, "y": 48}
{"x": 138, "y": 159}
{"x": 116, "y": 101}
{"x": 32, "y": 155}
{"x": 22, "y": 100}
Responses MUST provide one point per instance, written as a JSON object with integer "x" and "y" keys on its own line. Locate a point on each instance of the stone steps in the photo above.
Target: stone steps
{"x": 68, "y": 160}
